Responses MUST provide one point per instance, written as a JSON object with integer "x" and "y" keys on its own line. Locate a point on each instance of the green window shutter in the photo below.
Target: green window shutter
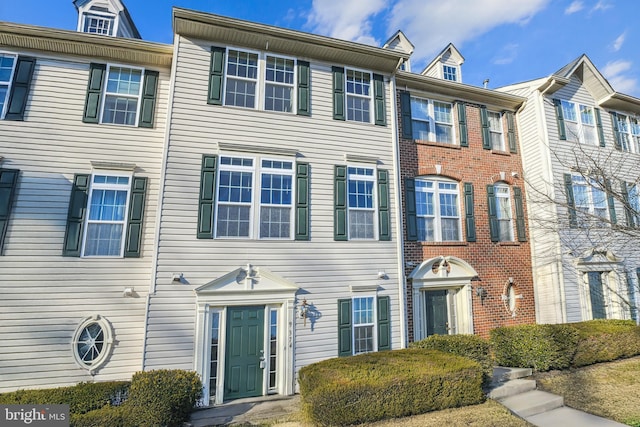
{"x": 338, "y": 93}
{"x": 8, "y": 181}
{"x": 20, "y": 88}
{"x": 207, "y": 200}
{"x": 568, "y": 188}
{"x": 94, "y": 93}
{"x": 484, "y": 122}
{"x": 410, "y": 209}
{"x": 470, "y": 218}
{"x": 493, "y": 217}
{"x": 133, "y": 241}
{"x": 628, "y": 212}
{"x": 216, "y": 75}
{"x": 149, "y": 88}
{"x": 462, "y": 124}
{"x": 599, "y": 126}
{"x": 617, "y": 137}
{"x": 380, "y": 108}
{"x": 302, "y": 201}
{"x": 345, "y": 347}
{"x": 612, "y": 206}
{"x": 76, "y": 215}
{"x": 562, "y": 131}
{"x": 383, "y": 205}
{"x": 304, "y": 84}
{"x": 384, "y": 324}
{"x": 511, "y": 132}
{"x": 340, "y": 204}
{"x": 405, "y": 114}
{"x": 520, "y": 226}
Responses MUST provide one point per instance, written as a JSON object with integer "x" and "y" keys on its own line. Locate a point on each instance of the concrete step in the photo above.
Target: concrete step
{"x": 511, "y": 388}
{"x": 532, "y": 402}
{"x": 501, "y": 373}
{"x": 566, "y": 416}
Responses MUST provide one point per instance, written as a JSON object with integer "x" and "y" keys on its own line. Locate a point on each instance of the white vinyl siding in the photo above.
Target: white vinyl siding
{"x": 42, "y": 291}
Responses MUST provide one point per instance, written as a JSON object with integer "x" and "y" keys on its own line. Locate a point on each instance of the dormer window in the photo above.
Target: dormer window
{"x": 98, "y": 24}
{"x": 450, "y": 73}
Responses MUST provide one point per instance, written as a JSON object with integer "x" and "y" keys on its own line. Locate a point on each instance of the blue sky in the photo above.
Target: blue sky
{"x": 506, "y": 41}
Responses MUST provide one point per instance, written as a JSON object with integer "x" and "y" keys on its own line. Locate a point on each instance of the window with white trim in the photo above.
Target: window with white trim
{"x": 627, "y": 138}
{"x": 273, "y": 349}
{"x": 634, "y": 203}
{"x": 495, "y": 131}
{"x": 588, "y": 197}
{"x": 250, "y": 73}
{"x": 432, "y": 120}
{"x": 239, "y": 196}
{"x": 98, "y": 24}
{"x": 580, "y": 122}
{"x": 122, "y": 93}
{"x": 361, "y": 203}
{"x": 364, "y": 336}
{"x": 437, "y": 210}
{"x": 214, "y": 356}
{"x": 359, "y": 95}
{"x": 92, "y": 342}
{"x": 450, "y": 73}
{"x": 107, "y": 215}
{"x": 635, "y": 134}
{"x": 503, "y": 212}
{"x": 7, "y": 65}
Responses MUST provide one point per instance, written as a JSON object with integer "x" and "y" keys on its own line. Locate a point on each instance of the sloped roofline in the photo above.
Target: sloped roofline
{"x": 125, "y": 11}
{"x": 230, "y": 31}
{"x": 400, "y": 35}
{"x": 441, "y": 54}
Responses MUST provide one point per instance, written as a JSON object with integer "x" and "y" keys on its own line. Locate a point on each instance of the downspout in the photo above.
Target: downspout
{"x": 402, "y": 298}
{"x": 163, "y": 173}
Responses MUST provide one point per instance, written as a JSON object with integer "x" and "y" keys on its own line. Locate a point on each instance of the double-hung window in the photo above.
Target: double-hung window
{"x": 634, "y": 203}
{"x": 579, "y": 122}
{"x": 107, "y": 215}
{"x": 450, "y": 73}
{"x": 495, "y": 131}
{"x": 279, "y": 84}
{"x": 437, "y": 210}
{"x": 624, "y": 132}
{"x": 432, "y": 120}
{"x": 7, "y": 64}
{"x": 503, "y": 212}
{"x": 635, "y": 134}
{"x": 588, "y": 197}
{"x": 98, "y": 24}
{"x": 361, "y": 203}
{"x": 238, "y": 192}
{"x": 363, "y": 324}
{"x": 588, "y": 123}
{"x": 122, "y": 96}
{"x": 241, "y": 79}
{"x": 358, "y": 95}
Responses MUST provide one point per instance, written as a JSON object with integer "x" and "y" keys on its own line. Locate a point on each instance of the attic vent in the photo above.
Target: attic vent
{"x": 99, "y": 9}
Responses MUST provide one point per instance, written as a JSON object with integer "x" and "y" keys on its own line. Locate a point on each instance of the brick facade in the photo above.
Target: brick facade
{"x": 495, "y": 262}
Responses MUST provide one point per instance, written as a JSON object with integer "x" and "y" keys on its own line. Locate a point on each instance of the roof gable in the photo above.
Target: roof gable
{"x": 125, "y": 27}
{"x": 583, "y": 69}
{"x": 449, "y": 53}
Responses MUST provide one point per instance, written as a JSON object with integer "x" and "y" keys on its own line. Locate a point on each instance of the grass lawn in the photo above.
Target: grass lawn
{"x": 610, "y": 390}
{"x": 488, "y": 414}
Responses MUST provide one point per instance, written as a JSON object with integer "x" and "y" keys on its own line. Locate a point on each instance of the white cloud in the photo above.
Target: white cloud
{"x": 507, "y": 54}
{"x": 617, "y": 43}
{"x": 432, "y": 24}
{"x": 602, "y": 5}
{"x": 574, "y": 7}
{"x": 345, "y": 19}
{"x": 615, "y": 72}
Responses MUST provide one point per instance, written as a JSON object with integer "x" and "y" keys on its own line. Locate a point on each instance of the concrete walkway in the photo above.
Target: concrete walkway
{"x": 254, "y": 411}
{"x": 521, "y": 397}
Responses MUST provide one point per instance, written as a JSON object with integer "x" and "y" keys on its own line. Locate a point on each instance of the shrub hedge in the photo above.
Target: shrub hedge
{"x": 545, "y": 347}
{"x": 155, "y": 398}
{"x": 472, "y": 346}
{"x": 388, "y": 384}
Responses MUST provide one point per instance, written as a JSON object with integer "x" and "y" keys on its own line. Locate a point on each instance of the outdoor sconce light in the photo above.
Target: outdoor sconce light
{"x": 128, "y": 292}
{"x": 304, "y": 311}
{"x": 382, "y": 275}
{"x": 177, "y": 277}
{"x": 482, "y": 293}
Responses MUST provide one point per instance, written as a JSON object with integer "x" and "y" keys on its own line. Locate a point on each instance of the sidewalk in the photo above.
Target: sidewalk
{"x": 255, "y": 411}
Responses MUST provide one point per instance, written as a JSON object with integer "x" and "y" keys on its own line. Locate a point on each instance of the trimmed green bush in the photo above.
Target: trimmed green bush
{"x": 163, "y": 397}
{"x": 112, "y": 416}
{"x": 472, "y": 346}
{"x": 545, "y": 347}
{"x": 606, "y": 340}
{"x": 81, "y": 398}
{"x": 389, "y": 384}
{"x": 541, "y": 347}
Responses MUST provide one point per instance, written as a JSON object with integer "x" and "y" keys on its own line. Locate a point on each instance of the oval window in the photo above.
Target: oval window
{"x": 92, "y": 342}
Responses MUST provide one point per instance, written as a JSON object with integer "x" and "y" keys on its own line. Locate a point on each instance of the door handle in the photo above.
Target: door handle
{"x": 262, "y": 360}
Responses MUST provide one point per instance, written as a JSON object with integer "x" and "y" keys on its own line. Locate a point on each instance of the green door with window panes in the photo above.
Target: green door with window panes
{"x": 244, "y": 357}
{"x": 596, "y": 292}
{"x": 437, "y": 313}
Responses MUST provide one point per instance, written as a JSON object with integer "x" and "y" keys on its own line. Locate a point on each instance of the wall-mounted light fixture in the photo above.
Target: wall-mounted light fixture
{"x": 482, "y": 293}
{"x": 128, "y": 292}
{"x": 304, "y": 311}
{"x": 177, "y": 277}
{"x": 382, "y": 275}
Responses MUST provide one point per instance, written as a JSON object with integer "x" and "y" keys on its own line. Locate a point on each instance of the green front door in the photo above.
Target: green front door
{"x": 437, "y": 313}
{"x": 245, "y": 352}
{"x": 596, "y": 292}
